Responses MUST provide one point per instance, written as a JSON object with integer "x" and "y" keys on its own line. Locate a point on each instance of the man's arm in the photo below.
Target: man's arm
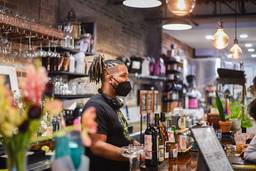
{"x": 250, "y": 153}
{"x": 103, "y": 149}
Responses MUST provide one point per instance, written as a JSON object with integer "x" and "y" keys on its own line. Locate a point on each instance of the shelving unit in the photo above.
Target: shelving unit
{"x": 149, "y": 78}
{"x": 61, "y": 49}
{"x": 68, "y": 74}
{"x": 70, "y": 97}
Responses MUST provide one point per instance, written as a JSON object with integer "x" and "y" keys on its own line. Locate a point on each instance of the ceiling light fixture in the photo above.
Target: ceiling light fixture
{"x": 243, "y": 36}
{"x": 251, "y": 50}
{"x": 220, "y": 38}
{"x": 236, "y": 51}
{"x": 142, "y": 3}
{"x": 181, "y": 7}
{"x": 253, "y": 55}
{"x": 179, "y": 25}
{"x": 209, "y": 37}
{"x": 248, "y": 45}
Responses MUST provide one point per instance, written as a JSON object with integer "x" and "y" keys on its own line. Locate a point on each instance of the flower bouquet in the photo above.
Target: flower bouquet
{"x": 20, "y": 119}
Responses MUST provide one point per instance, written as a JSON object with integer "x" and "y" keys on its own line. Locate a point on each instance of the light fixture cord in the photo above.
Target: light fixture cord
{"x": 236, "y": 20}
{"x": 220, "y": 12}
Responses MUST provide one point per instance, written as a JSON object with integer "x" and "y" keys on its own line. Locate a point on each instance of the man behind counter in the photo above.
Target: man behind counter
{"x": 112, "y": 133}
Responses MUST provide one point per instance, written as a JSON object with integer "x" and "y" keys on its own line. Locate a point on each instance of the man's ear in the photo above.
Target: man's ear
{"x": 108, "y": 77}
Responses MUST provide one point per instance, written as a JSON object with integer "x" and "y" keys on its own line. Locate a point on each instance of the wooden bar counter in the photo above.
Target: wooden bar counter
{"x": 189, "y": 161}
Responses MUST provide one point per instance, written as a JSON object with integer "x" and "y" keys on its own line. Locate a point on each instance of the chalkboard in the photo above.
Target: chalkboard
{"x": 210, "y": 148}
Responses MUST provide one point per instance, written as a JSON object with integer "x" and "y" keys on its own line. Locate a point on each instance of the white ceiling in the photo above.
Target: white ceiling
{"x": 196, "y": 36}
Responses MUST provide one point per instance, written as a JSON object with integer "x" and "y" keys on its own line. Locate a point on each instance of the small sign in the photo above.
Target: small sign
{"x": 214, "y": 157}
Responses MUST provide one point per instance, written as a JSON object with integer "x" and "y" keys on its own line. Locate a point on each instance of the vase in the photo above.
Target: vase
{"x": 236, "y": 124}
{"x": 225, "y": 126}
{"x": 17, "y": 160}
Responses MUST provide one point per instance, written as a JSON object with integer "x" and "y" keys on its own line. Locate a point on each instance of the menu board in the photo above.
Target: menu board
{"x": 210, "y": 148}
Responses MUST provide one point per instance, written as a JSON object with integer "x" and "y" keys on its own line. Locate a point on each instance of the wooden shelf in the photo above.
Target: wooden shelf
{"x": 37, "y": 31}
{"x": 149, "y": 78}
{"x": 61, "y": 49}
{"x": 173, "y": 72}
{"x": 68, "y": 74}
{"x": 70, "y": 97}
{"x": 173, "y": 62}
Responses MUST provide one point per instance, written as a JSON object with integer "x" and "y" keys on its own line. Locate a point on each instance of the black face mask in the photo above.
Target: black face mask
{"x": 123, "y": 88}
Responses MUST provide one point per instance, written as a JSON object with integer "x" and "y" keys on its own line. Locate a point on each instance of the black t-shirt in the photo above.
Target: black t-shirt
{"x": 109, "y": 125}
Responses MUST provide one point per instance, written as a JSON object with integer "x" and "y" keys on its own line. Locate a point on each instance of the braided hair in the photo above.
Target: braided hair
{"x": 98, "y": 67}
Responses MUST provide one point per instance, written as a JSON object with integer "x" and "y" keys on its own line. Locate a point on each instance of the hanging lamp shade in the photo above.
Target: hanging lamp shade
{"x": 142, "y": 3}
{"x": 236, "y": 51}
{"x": 181, "y": 7}
{"x": 177, "y": 25}
{"x": 220, "y": 38}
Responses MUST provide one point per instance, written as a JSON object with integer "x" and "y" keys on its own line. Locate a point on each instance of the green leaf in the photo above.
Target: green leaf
{"x": 235, "y": 109}
{"x": 220, "y": 108}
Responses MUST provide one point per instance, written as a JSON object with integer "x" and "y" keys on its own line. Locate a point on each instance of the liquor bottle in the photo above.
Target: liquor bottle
{"x": 163, "y": 129}
{"x": 170, "y": 144}
{"x": 164, "y": 134}
{"x": 160, "y": 138}
{"x": 150, "y": 142}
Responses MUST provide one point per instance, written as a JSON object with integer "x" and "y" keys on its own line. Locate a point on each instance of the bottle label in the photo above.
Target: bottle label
{"x": 148, "y": 146}
{"x": 161, "y": 153}
{"x": 171, "y": 136}
{"x": 167, "y": 149}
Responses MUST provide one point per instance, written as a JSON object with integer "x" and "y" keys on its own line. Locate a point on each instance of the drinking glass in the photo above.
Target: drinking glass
{"x": 131, "y": 152}
{"x": 240, "y": 139}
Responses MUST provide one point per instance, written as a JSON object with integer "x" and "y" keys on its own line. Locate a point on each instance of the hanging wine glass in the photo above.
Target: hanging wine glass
{"x": 41, "y": 52}
{"x": 49, "y": 53}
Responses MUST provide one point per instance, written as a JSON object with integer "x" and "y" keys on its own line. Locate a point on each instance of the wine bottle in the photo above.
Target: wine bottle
{"x": 150, "y": 142}
{"x": 160, "y": 142}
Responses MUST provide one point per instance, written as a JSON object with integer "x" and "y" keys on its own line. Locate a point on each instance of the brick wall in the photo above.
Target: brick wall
{"x": 121, "y": 31}
{"x": 167, "y": 40}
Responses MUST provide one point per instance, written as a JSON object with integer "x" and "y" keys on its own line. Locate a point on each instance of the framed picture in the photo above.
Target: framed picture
{"x": 10, "y": 75}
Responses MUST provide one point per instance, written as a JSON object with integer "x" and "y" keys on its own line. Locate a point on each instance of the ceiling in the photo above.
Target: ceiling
{"x": 205, "y": 20}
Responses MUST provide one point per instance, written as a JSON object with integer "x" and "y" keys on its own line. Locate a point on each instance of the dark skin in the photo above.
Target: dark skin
{"x": 100, "y": 147}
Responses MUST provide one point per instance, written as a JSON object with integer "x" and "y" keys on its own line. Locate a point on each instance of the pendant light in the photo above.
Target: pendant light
{"x": 178, "y": 25}
{"x": 181, "y": 7}
{"x": 220, "y": 38}
{"x": 142, "y": 3}
{"x": 236, "y": 51}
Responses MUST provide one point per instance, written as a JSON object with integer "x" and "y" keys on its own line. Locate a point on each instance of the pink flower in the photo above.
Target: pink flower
{"x": 88, "y": 120}
{"x": 84, "y": 134}
{"x": 33, "y": 85}
{"x": 77, "y": 124}
{"x": 89, "y": 125}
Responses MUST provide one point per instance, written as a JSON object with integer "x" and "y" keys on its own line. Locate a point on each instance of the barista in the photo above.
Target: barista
{"x": 112, "y": 133}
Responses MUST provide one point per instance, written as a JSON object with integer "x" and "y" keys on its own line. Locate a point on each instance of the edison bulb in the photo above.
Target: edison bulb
{"x": 181, "y": 7}
{"x": 220, "y": 39}
{"x": 236, "y": 51}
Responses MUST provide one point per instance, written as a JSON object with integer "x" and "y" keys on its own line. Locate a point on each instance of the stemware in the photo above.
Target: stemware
{"x": 131, "y": 152}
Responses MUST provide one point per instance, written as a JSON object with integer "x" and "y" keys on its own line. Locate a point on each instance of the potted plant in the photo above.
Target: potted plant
{"x": 235, "y": 114}
{"x": 225, "y": 124}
